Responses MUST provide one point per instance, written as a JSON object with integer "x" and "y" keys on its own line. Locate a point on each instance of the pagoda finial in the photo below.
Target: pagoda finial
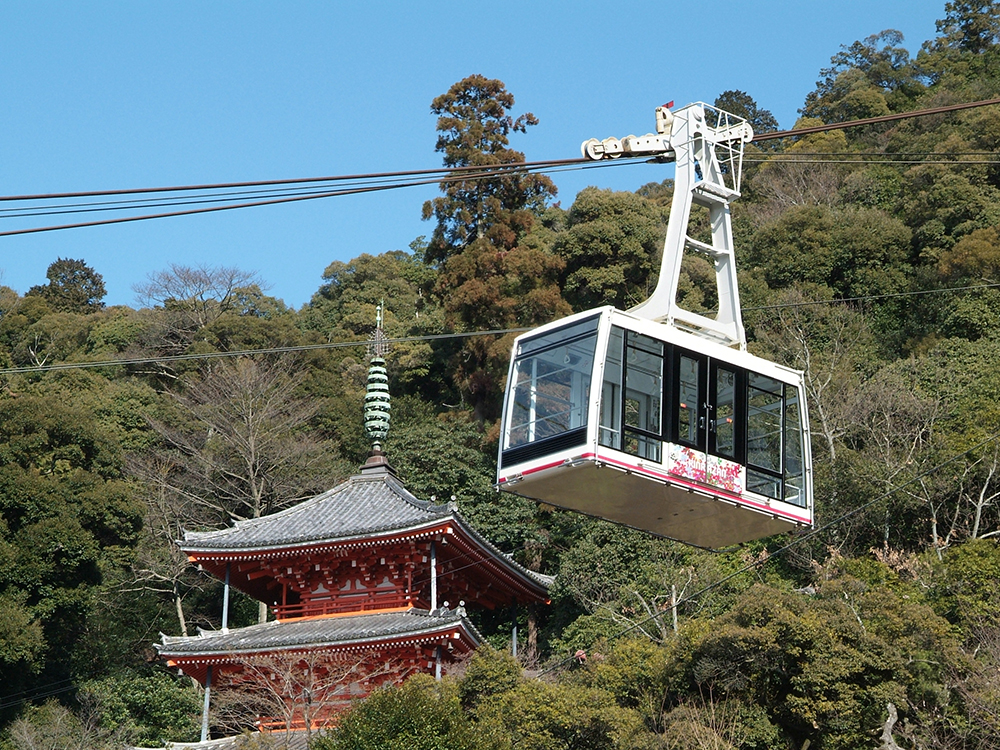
{"x": 377, "y": 401}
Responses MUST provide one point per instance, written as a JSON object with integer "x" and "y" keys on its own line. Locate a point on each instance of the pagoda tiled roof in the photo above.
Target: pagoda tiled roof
{"x": 363, "y": 506}
{"x": 322, "y": 632}
{"x": 360, "y": 508}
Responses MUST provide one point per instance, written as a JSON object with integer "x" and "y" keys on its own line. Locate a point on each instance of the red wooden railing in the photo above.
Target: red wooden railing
{"x": 344, "y": 604}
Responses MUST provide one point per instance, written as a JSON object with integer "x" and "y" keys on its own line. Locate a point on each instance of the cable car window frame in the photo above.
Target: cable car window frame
{"x": 609, "y": 426}
{"x": 643, "y": 440}
{"x": 736, "y": 419}
{"x": 622, "y": 386}
{"x": 679, "y": 402}
{"x": 529, "y": 353}
{"x": 794, "y": 456}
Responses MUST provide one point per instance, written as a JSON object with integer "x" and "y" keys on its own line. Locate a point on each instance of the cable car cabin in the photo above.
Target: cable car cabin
{"x": 658, "y": 418}
{"x": 645, "y": 425}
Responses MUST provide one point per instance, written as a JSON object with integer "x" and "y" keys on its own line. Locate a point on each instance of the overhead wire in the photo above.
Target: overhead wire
{"x": 248, "y": 352}
{"x": 70, "y": 208}
{"x": 354, "y": 185}
{"x": 372, "y": 181}
{"x": 41, "y": 691}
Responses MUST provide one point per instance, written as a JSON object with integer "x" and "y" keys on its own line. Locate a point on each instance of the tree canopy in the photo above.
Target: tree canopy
{"x": 861, "y": 263}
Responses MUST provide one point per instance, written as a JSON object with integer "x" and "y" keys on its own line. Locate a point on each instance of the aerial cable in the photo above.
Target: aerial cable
{"x": 288, "y": 195}
{"x": 512, "y": 166}
{"x": 480, "y": 174}
{"x": 870, "y": 120}
{"x": 874, "y": 159}
{"x": 195, "y": 199}
{"x": 870, "y": 297}
{"x": 7, "y": 702}
{"x": 450, "y": 174}
{"x": 499, "y": 168}
{"x": 248, "y": 352}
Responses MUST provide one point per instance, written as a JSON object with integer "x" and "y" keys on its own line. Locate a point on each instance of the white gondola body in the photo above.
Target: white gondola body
{"x": 658, "y": 418}
{"x": 628, "y": 420}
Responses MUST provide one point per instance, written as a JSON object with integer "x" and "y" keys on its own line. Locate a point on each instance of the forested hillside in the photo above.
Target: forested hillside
{"x": 869, "y": 258}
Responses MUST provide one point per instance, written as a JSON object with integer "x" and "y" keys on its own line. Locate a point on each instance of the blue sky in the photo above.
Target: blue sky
{"x": 112, "y": 95}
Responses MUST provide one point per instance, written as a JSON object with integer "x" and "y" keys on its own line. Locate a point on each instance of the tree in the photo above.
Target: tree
{"x": 144, "y": 709}
{"x": 864, "y": 80}
{"x": 835, "y": 348}
{"x": 236, "y": 448}
{"x": 243, "y": 452}
{"x": 52, "y": 726}
{"x": 306, "y": 689}
{"x": 969, "y": 25}
{"x": 824, "y": 665}
{"x": 611, "y": 243}
{"x": 538, "y": 715}
{"x": 474, "y": 123}
{"x": 855, "y": 252}
{"x": 66, "y": 519}
{"x": 343, "y": 309}
{"x": 73, "y": 287}
{"x": 741, "y": 104}
{"x": 783, "y": 183}
{"x": 491, "y": 276}
{"x": 418, "y": 715}
{"x": 190, "y": 298}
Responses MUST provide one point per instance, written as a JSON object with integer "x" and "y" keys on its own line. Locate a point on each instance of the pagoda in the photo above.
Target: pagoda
{"x": 367, "y": 584}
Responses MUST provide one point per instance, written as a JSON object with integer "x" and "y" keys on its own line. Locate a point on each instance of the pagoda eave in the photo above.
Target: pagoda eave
{"x": 406, "y": 629}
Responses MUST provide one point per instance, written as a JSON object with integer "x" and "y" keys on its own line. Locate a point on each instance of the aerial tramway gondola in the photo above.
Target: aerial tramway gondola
{"x": 658, "y": 417}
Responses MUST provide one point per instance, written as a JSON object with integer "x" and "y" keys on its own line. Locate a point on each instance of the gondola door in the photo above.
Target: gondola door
{"x": 690, "y": 415}
{"x": 726, "y": 445}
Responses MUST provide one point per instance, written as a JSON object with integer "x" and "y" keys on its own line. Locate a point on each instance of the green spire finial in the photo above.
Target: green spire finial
{"x": 377, "y": 401}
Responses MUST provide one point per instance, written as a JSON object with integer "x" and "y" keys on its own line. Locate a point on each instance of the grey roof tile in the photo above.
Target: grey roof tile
{"x": 361, "y": 506}
{"x": 326, "y": 631}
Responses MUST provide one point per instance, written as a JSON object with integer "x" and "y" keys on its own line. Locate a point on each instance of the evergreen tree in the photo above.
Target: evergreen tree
{"x": 490, "y": 275}
{"x": 73, "y": 287}
{"x": 474, "y": 125}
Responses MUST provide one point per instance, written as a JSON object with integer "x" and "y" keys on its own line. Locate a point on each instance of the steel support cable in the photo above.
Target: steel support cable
{"x": 248, "y": 352}
{"x": 795, "y": 542}
{"x": 174, "y": 200}
{"x": 44, "y": 693}
{"x": 449, "y": 178}
{"x": 875, "y": 159}
{"x": 499, "y": 169}
{"x": 455, "y": 170}
{"x": 287, "y": 195}
{"x": 513, "y": 166}
{"x": 870, "y": 297}
{"x": 480, "y": 172}
{"x": 871, "y": 120}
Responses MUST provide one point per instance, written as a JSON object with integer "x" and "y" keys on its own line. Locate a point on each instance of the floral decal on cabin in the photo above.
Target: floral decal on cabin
{"x": 686, "y": 462}
{"x": 726, "y": 475}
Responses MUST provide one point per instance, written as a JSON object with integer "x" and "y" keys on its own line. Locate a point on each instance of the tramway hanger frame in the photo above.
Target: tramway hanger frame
{"x": 658, "y": 418}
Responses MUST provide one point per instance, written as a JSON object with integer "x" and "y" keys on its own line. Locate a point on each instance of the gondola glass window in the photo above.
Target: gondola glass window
{"x": 795, "y": 491}
{"x": 688, "y": 399}
{"x": 774, "y": 440}
{"x": 551, "y": 385}
{"x": 725, "y": 413}
{"x": 631, "y": 420}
